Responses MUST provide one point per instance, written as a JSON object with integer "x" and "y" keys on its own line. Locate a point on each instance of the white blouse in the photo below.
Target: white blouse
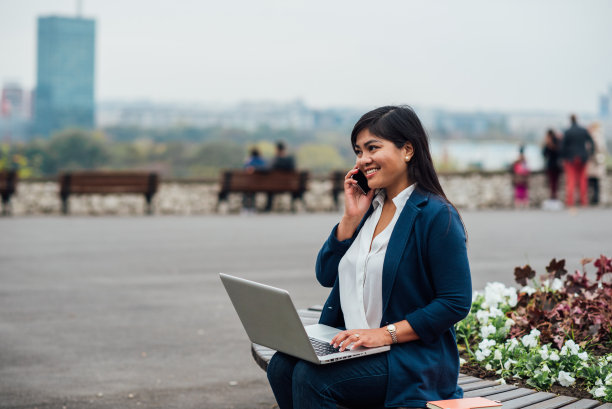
{"x": 360, "y": 270}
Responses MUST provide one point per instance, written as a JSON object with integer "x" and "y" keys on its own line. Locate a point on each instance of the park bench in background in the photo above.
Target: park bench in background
{"x": 8, "y": 181}
{"x": 266, "y": 181}
{"x": 107, "y": 182}
{"x": 511, "y": 397}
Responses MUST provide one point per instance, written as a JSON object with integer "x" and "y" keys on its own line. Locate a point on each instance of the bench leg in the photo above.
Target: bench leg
{"x": 65, "y": 207}
{"x": 5, "y": 206}
{"x": 149, "y": 206}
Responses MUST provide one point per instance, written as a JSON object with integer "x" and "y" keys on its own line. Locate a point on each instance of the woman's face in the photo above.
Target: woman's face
{"x": 382, "y": 162}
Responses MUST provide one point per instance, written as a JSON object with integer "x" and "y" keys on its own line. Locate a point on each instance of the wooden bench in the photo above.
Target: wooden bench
{"x": 511, "y": 397}
{"x": 266, "y": 181}
{"x": 107, "y": 182}
{"x": 8, "y": 183}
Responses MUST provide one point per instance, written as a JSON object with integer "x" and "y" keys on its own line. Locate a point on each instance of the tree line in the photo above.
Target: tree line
{"x": 176, "y": 153}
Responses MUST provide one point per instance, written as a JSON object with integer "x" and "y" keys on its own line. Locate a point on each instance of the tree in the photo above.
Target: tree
{"x": 75, "y": 149}
{"x": 320, "y": 158}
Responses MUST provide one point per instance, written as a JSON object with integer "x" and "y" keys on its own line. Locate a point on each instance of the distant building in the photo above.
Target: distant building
{"x": 65, "y": 75}
{"x": 604, "y": 106}
{"x": 14, "y": 101}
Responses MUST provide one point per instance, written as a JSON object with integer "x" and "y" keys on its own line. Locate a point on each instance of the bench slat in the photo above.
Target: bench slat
{"x": 489, "y": 391}
{"x": 556, "y": 402}
{"x": 477, "y": 385}
{"x": 512, "y": 394}
{"x": 583, "y": 404}
{"x": 527, "y": 400}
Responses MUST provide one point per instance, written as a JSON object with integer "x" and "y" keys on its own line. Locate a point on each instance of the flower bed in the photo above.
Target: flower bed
{"x": 554, "y": 332}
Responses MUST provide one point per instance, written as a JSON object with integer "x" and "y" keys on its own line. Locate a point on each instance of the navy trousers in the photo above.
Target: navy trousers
{"x": 356, "y": 383}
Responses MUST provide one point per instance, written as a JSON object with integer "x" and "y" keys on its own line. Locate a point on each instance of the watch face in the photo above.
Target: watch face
{"x": 391, "y": 327}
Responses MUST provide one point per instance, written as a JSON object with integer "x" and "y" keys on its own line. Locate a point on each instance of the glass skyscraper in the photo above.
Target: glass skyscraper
{"x": 65, "y": 74}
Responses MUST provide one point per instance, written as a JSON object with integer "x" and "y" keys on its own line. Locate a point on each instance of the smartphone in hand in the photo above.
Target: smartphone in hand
{"x": 362, "y": 182}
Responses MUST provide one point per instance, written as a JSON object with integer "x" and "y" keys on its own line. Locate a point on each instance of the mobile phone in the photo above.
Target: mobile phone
{"x": 362, "y": 182}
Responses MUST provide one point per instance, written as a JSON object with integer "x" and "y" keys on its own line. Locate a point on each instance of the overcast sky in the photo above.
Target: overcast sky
{"x": 553, "y": 55}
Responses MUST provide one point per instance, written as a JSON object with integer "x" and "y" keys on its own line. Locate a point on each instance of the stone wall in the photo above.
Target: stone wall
{"x": 473, "y": 190}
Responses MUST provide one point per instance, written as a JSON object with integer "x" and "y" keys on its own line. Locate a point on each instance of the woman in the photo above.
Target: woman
{"x": 550, "y": 151}
{"x": 398, "y": 268}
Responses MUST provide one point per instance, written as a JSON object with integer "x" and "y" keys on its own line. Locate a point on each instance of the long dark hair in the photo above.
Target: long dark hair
{"x": 401, "y": 125}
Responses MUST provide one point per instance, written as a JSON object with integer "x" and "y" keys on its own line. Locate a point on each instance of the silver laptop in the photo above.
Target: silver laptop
{"x": 270, "y": 319}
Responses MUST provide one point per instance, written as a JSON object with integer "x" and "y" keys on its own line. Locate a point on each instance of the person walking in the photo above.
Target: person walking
{"x": 576, "y": 148}
{"x": 596, "y": 166}
{"x": 398, "y": 268}
{"x": 550, "y": 151}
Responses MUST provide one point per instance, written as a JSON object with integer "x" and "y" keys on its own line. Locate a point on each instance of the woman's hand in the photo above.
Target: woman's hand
{"x": 375, "y": 337}
{"x": 356, "y": 204}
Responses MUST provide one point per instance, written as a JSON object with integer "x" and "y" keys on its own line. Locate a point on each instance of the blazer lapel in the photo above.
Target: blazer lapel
{"x": 397, "y": 242}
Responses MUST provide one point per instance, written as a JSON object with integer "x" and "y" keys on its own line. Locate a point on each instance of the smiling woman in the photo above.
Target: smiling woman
{"x": 397, "y": 264}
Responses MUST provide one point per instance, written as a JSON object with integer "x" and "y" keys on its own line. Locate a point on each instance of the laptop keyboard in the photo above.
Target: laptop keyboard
{"x": 323, "y": 348}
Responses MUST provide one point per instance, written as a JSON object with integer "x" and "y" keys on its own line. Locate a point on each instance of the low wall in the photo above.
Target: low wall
{"x": 473, "y": 190}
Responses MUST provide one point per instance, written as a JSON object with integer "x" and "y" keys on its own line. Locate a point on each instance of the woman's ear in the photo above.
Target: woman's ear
{"x": 408, "y": 152}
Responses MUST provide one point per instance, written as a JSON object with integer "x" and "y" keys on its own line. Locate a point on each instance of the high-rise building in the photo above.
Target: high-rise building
{"x": 65, "y": 75}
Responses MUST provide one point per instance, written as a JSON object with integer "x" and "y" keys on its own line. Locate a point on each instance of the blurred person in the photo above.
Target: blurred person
{"x": 551, "y": 151}
{"x": 398, "y": 267}
{"x": 596, "y": 166}
{"x": 520, "y": 180}
{"x": 281, "y": 161}
{"x": 254, "y": 162}
{"x": 576, "y": 148}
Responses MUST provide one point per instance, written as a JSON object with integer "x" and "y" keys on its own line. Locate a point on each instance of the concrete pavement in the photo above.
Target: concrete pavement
{"x": 108, "y": 312}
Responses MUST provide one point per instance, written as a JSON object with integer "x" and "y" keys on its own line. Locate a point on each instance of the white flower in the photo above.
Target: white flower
{"x": 544, "y": 352}
{"x": 486, "y": 331}
{"x": 486, "y": 344}
{"x": 496, "y": 312}
{"x": 528, "y": 290}
{"x": 462, "y": 361}
{"x": 566, "y": 379}
{"x": 509, "y": 363}
{"x": 497, "y": 355}
{"x": 583, "y": 356}
{"x": 608, "y": 380}
{"x": 557, "y": 284}
{"x": 501, "y": 381}
{"x": 497, "y": 293}
{"x": 509, "y": 323}
{"x": 545, "y": 368}
{"x": 554, "y": 356}
{"x": 512, "y": 343}
{"x": 482, "y": 316}
{"x": 531, "y": 339}
{"x": 475, "y": 295}
{"x": 546, "y": 283}
{"x": 480, "y": 355}
{"x": 488, "y": 367}
{"x": 599, "y": 382}
{"x": 599, "y": 392}
{"x": 570, "y": 348}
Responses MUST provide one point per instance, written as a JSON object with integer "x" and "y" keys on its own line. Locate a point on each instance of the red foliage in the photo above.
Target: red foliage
{"x": 581, "y": 309}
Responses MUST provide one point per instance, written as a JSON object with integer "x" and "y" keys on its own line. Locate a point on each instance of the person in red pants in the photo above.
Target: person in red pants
{"x": 576, "y": 148}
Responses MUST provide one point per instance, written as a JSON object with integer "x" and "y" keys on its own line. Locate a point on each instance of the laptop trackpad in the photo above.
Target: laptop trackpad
{"x": 322, "y": 332}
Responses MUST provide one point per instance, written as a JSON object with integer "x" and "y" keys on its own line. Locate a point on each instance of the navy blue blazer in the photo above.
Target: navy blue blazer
{"x": 426, "y": 280}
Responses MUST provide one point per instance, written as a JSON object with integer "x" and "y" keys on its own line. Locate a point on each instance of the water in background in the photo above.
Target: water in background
{"x": 484, "y": 155}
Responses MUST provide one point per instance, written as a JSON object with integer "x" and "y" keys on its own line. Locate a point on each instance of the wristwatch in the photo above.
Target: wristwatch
{"x": 391, "y": 329}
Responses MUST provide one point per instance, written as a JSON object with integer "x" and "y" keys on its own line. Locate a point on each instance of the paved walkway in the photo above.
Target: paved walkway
{"x": 107, "y": 312}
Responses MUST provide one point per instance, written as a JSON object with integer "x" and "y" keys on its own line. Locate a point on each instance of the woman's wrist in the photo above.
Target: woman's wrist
{"x": 347, "y": 227}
